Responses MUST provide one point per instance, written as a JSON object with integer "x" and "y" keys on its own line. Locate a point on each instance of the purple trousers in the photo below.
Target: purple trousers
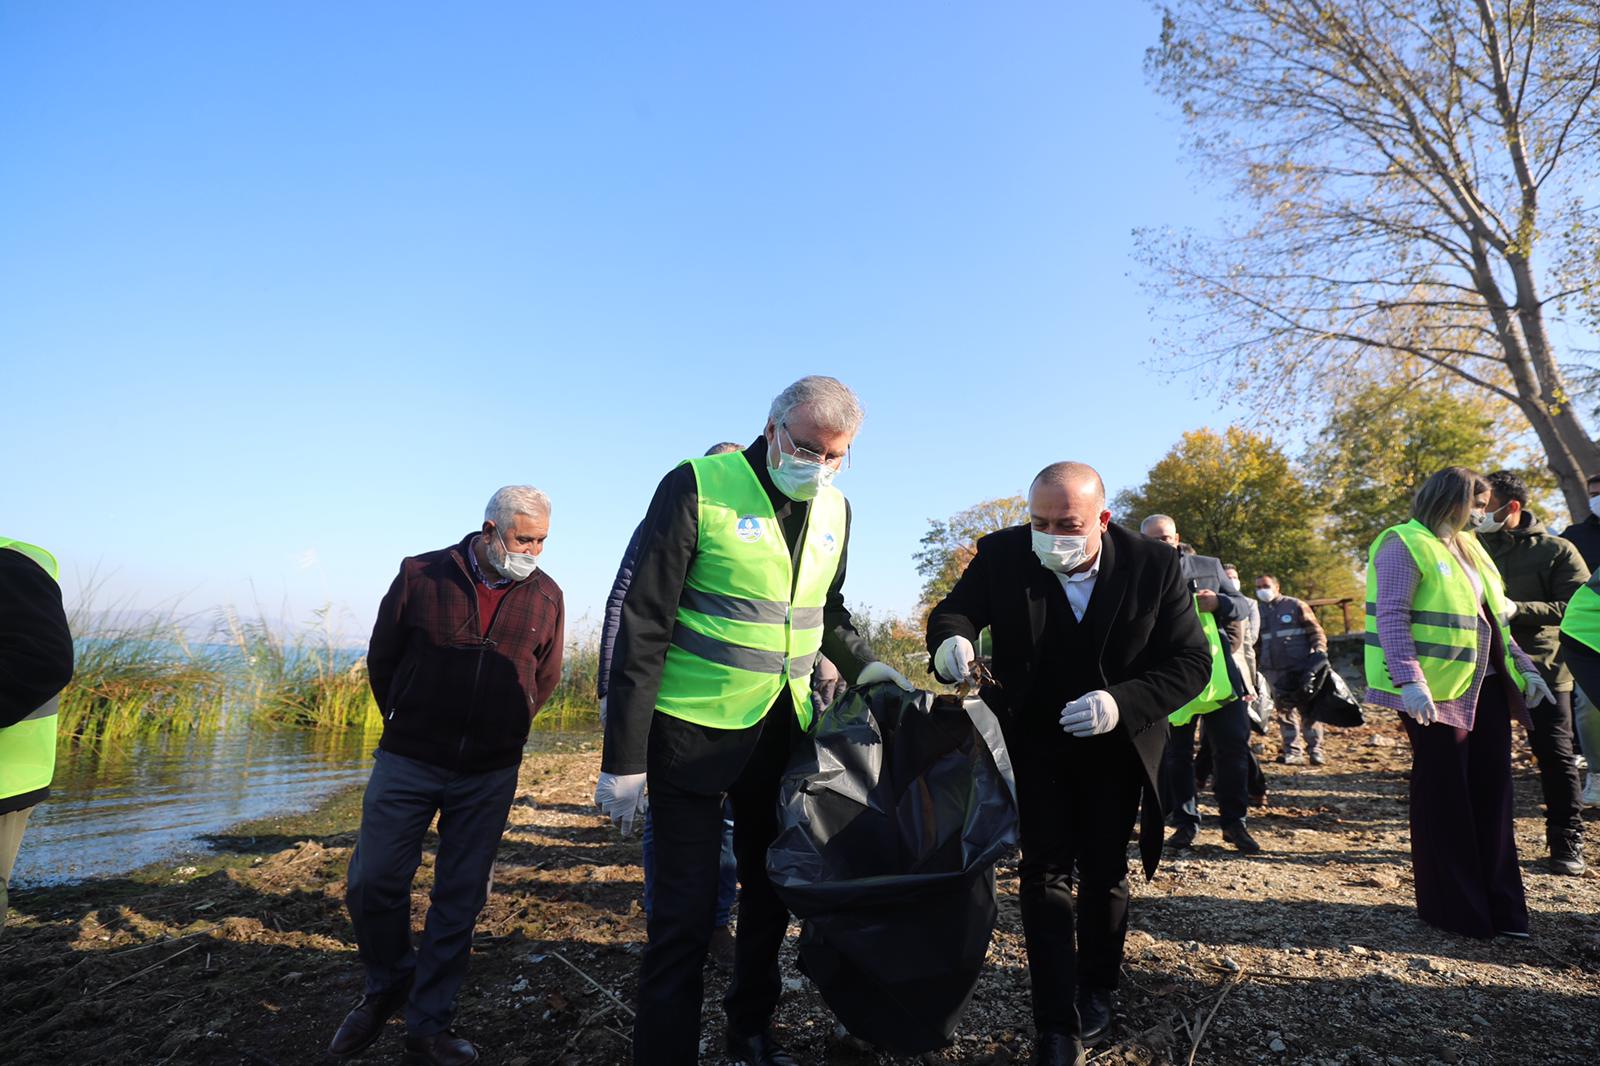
{"x": 1463, "y": 851}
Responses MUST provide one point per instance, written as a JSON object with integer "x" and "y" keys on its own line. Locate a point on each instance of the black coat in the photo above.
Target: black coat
{"x": 1151, "y": 651}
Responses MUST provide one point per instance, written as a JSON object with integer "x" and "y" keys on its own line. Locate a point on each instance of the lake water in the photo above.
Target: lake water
{"x": 158, "y": 797}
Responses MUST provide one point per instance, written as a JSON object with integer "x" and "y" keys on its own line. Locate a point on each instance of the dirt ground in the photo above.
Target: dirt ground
{"x": 1309, "y": 953}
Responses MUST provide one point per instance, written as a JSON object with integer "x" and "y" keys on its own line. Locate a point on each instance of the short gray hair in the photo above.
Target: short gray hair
{"x": 834, "y": 407}
{"x": 508, "y": 502}
{"x": 1445, "y": 495}
{"x": 1150, "y": 520}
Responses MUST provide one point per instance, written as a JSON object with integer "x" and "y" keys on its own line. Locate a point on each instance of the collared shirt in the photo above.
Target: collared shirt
{"x": 477, "y": 571}
{"x": 1080, "y": 586}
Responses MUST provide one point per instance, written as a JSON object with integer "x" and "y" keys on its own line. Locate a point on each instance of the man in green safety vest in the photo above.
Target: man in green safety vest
{"x": 737, "y": 588}
{"x": 35, "y": 665}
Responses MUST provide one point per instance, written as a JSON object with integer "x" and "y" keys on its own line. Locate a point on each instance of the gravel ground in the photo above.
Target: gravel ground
{"x": 1309, "y": 953}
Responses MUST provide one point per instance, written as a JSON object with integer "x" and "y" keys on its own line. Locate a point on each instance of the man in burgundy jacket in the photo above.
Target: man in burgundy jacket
{"x": 466, "y": 649}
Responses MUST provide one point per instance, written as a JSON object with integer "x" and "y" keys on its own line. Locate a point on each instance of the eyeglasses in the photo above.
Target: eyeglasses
{"x": 838, "y": 462}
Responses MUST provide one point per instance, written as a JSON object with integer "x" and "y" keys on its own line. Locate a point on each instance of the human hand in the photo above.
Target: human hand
{"x": 622, "y": 797}
{"x": 1538, "y": 690}
{"x": 1419, "y": 702}
{"x": 1206, "y": 600}
{"x": 882, "y": 671}
{"x": 1090, "y": 714}
{"x": 953, "y": 660}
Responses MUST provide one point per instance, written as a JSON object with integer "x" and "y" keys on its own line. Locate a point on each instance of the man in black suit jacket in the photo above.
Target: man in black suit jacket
{"x": 1095, "y": 642}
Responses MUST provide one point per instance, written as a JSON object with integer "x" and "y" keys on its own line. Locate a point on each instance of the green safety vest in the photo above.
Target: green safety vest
{"x": 1219, "y": 687}
{"x": 1444, "y": 612}
{"x": 747, "y": 624}
{"x": 1582, "y": 620}
{"x": 28, "y": 749}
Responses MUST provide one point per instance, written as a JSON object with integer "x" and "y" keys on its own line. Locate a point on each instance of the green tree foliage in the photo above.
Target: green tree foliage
{"x": 948, "y": 546}
{"x": 1236, "y": 495}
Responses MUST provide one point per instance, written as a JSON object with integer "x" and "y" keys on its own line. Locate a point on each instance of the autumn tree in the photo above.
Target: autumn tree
{"x": 1413, "y": 177}
{"x": 948, "y": 546}
{"x": 1237, "y": 496}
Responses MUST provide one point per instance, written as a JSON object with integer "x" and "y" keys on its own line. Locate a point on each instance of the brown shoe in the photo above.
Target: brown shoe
{"x": 440, "y": 1049}
{"x": 721, "y": 953}
{"x": 364, "y": 1024}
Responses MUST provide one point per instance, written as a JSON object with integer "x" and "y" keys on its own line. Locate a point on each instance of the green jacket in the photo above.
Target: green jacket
{"x": 1542, "y": 572}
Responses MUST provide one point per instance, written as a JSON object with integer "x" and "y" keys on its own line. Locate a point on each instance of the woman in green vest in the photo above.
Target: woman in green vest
{"x": 1438, "y": 651}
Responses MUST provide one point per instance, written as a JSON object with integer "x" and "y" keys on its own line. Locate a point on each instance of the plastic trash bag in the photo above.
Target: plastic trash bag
{"x": 889, "y": 827}
{"x": 1334, "y": 704}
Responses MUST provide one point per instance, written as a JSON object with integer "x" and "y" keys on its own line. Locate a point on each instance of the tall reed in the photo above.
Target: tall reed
{"x": 305, "y": 680}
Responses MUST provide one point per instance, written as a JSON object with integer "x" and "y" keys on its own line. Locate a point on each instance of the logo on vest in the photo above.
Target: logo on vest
{"x": 830, "y": 544}
{"x": 749, "y": 528}
{"x": 1286, "y": 618}
{"x": 1444, "y": 568}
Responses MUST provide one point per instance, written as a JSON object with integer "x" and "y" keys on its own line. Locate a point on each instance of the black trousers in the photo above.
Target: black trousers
{"x": 1228, "y": 729}
{"x": 1463, "y": 848}
{"x": 689, "y": 769}
{"x": 1558, "y": 769}
{"x": 1077, "y": 799}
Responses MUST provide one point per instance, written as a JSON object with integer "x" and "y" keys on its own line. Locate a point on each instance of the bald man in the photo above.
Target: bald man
{"x": 1095, "y": 640}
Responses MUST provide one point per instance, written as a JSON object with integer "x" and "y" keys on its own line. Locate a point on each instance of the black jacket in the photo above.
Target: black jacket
{"x": 452, "y": 695}
{"x": 668, "y": 539}
{"x": 35, "y": 648}
{"x": 1586, "y": 535}
{"x": 1152, "y": 652}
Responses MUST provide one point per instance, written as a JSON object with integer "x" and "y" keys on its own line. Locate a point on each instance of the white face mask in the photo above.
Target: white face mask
{"x": 515, "y": 565}
{"x": 1594, "y": 506}
{"x": 1061, "y": 554}
{"x": 1264, "y": 595}
{"x": 1486, "y": 524}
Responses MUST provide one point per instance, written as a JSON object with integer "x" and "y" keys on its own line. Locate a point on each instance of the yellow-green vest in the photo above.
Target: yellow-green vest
{"x": 747, "y": 625}
{"x": 1582, "y": 620}
{"x": 28, "y": 749}
{"x": 1219, "y": 687}
{"x": 1444, "y": 612}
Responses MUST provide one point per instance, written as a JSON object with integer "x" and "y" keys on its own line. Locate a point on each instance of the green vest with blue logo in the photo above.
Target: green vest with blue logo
{"x": 1219, "y": 687}
{"x": 28, "y": 748}
{"x": 747, "y": 624}
{"x": 1444, "y": 612}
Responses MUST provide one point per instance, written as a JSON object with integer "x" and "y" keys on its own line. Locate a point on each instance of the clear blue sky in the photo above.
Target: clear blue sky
{"x": 286, "y": 291}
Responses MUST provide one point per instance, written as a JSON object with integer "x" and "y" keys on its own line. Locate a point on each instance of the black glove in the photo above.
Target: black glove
{"x": 1316, "y": 674}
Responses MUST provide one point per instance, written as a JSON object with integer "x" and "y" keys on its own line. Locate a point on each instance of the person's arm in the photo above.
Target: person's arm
{"x": 35, "y": 642}
{"x": 1566, "y": 576}
{"x": 1319, "y": 636}
{"x": 548, "y": 673}
{"x": 964, "y": 611}
{"x": 1179, "y": 658}
{"x": 668, "y": 539}
{"x": 840, "y": 641}
{"x": 1397, "y": 587}
{"x": 388, "y": 641}
{"x": 612, "y": 619}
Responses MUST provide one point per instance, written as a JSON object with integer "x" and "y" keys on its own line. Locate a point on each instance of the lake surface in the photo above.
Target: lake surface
{"x": 157, "y": 798}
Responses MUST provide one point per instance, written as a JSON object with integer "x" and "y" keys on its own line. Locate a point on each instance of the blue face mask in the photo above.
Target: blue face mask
{"x": 800, "y": 479}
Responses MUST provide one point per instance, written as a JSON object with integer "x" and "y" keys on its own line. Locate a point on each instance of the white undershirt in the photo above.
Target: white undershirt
{"x": 1080, "y": 586}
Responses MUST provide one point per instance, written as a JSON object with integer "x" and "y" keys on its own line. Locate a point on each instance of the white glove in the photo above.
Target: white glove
{"x": 1419, "y": 702}
{"x": 1538, "y": 690}
{"x": 1090, "y": 714}
{"x": 602, "y": 712}
{"x": 881, "y": 671}
{"x": 1511, "y": 611}
{"x": 953, "y": 660}
{"x": 621, "y": 797}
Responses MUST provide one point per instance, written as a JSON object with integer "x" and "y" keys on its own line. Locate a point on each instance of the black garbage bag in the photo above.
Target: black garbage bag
{"x": 1334, "y": 704}
{"x": 888, "y": 831}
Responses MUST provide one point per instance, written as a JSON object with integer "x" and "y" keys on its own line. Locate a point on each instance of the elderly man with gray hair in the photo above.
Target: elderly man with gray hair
{"x": 466, "y": 649}
{"x": 737, "y": 589}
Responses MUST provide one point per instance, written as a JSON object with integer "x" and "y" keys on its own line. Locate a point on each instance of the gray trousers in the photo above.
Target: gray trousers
{"x": 1297, "y": 737}
{"x": 401, "y": 799}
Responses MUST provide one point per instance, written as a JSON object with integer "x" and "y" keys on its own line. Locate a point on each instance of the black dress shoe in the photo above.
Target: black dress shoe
{"x": 440, "y": 1049}
{"x": 1182, "y": 837}
{"x": 1094, "y": 1015}
{"x": 1058, "y": 1049}
{"x": 364, "y": 1024}
{"x": 762, "y": 1049}
{"x": 1237, "y": 835}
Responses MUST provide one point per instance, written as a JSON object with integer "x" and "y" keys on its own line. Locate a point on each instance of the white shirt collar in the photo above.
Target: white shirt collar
{"x": 1089, "y": 574}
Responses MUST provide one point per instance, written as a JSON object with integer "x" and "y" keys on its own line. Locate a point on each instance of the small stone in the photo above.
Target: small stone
{"x": 1357, "y": 949}
{"x": 1278, "y": 1046}
{"x": 1228, "y": 964}
{"x": 1478, "y": 1019}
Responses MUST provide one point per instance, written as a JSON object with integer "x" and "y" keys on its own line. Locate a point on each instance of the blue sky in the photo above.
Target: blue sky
{"x": 286, "y": 291}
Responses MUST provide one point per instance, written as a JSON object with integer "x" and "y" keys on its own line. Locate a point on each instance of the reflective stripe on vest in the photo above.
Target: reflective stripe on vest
{"x": 1444, "y": 612}
{"x": 1582, "y": 620}
{"x": 741, "y": 634}
{"x": 28, "y": 748}
{"x": 1219, "y": 687}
